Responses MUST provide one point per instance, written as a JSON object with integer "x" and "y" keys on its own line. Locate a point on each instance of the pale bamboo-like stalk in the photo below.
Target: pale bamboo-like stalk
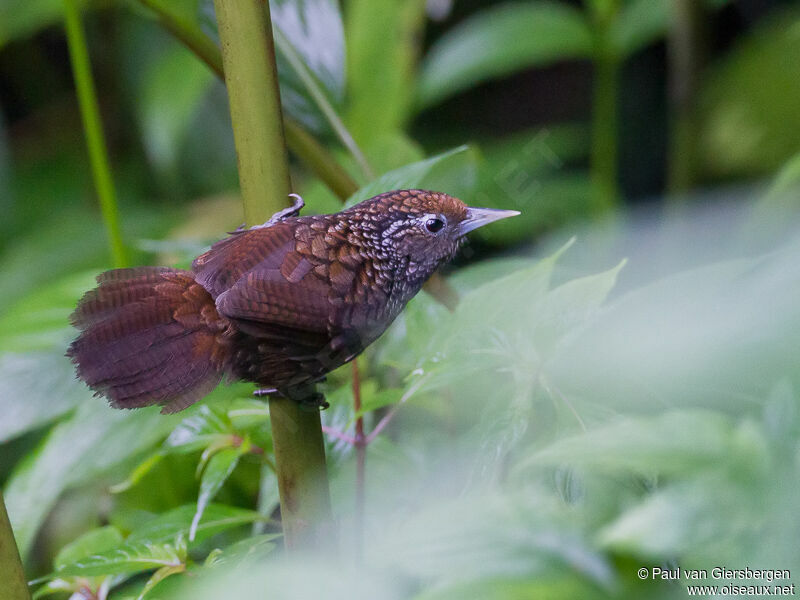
{"x": 251, "y": 78}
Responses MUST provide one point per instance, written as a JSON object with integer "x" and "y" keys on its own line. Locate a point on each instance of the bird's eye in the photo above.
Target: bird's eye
{"x": 434, "y": 224}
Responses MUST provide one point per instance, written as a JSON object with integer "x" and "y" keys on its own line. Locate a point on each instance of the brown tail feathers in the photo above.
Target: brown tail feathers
{"x": 149, "y": 335}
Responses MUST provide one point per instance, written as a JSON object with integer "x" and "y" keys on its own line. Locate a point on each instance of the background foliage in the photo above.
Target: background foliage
{"x": 617, "y": 388}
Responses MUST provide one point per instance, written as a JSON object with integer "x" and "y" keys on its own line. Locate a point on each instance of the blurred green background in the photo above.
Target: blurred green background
{"x": 617, "y": 389}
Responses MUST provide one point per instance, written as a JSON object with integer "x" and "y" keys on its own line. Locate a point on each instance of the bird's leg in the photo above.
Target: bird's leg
{"x": 306, "y": 396}
{"x": 289, "y": 211}
{"x": 314, "y": 401}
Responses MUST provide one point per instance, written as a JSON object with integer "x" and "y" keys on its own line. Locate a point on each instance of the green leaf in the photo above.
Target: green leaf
{"x": 314, "y": 30}
{"x": 128, "y": 558}
{"x": 160, "y": 576}
{"x": 207, "y": 426}
{"x": 528, "y": 285}
{"x": 169, "y": 526}
{"x": 142, "y": 469}
{"x": 170, "y": 93}
{"x": 422, "y": 174}
{"x": 36, "y": 388}
{"x": 56, "y": 586}
{"x": 382, "y": 47}
{"x": 215, "y": 474}
{"x": 253, "y": 549}
{"x": 40, "y": 320}
{"x": 499, "y": 41}
{"x": 91, "y": 542}
{"x": 88, "y": 444}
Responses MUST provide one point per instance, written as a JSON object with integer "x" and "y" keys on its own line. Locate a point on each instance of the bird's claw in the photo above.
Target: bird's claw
{"x": 286, "y": 213}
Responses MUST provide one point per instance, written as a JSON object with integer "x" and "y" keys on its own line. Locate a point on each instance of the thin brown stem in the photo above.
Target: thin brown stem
{"x": 339, "y": 435}
{"x": 361, "y": 463}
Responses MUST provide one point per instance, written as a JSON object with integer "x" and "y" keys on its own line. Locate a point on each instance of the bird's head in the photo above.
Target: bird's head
{"x": 424, "y": 228}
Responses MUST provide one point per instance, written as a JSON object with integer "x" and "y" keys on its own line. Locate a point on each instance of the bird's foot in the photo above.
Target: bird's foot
{"x": 289, "y": 211}
{"x": 308, "y": 399}
{"x": 313, "y": 402}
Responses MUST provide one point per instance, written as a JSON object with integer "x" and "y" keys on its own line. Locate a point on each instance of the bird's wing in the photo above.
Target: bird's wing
{"x": 302, "y": 275}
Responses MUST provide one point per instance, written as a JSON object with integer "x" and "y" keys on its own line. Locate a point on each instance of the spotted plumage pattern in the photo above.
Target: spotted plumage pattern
{"x": 280, "y": 305}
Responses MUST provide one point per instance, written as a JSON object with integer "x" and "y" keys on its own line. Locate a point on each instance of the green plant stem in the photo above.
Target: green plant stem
{"x": 93, "y": 129}
{"x": 605, "y": 191}
{"x": 14, "y": 584}
{"x": 248, "y": 59}
{"x": 686, "y": 54}
{"x": 252, "y": 82}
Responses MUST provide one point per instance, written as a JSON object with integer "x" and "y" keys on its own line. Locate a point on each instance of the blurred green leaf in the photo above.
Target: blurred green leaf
{"x": 422, "y": 174}
{"x": 160, "y": 576}
{"x": 382, "y": 47}
{"x": 215, "y": 474}
{"x": 91, "y": 542}
{"x": 253, "y": 550}
{"x": 36, "y": 388}
{"x": 76, "y": 237}
{"x": 40, "y": 320}
{"x": 675, "y": 442}
{"x": 88, "y": 444}
{"x": 21, "y": 18}
{"x": 170, "y": 94}
{"x": 177, "y": 522}
{"x": 501, "y": 40}
{"x": 510, "y": 588}
{"x": 708, "y": 515}
{"x": 55, "y": 586}
{"x": 516, "y": 535}
{"x": 754, "y": 130}
{"x": 531, "y": 172}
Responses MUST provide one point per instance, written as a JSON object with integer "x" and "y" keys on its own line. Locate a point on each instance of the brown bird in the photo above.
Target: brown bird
{"x": 280, "y": 304}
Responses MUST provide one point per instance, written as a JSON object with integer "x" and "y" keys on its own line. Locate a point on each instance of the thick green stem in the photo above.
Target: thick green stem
{"x": 302, "y": 475}
{"x": 13, "y": 584}
{"x": 251, "y": 78}
{"x": 605, "y": 190}
{"x": 93, "y": 129}
{"x": 252, "y": 82}
{"x": 686, "y": 58}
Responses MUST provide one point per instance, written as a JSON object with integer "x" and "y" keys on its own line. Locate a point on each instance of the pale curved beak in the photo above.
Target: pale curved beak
{"x": 478, "y": 217}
